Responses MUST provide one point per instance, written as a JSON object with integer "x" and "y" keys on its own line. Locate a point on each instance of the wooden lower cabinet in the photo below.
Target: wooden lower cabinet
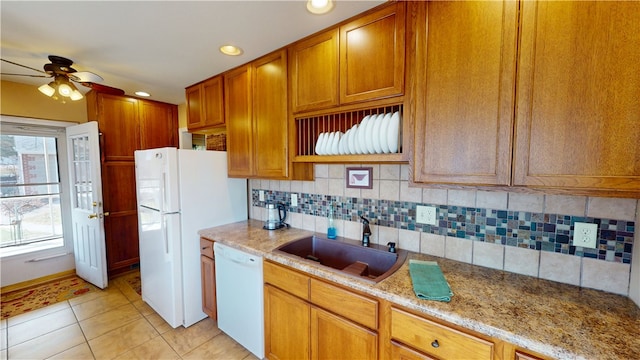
{"x": 310, "y": 318}
{"x": 435, "y": 339}
{"x": 334, "y": 337}
{"x": 401, "y": 352}
{"x": 287, "y": 323}
{"x": 208, "y": 275}
{"x": 297, "y": 328}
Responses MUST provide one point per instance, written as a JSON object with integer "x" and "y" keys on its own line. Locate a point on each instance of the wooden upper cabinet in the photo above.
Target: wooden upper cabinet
{"x": 464, "y": 90}
{"x": 270, "y": 115}
{"x": 578, "y": 110}
{"x": 118, "y": 122}
{"x": 372, "y": 50}
{"x": 205, "y": 104}
{"x": 314, "y": 69}
{"x": 158, "y": 124}
{"x": 194, "y": 105}
{"x": 237, "y": 104}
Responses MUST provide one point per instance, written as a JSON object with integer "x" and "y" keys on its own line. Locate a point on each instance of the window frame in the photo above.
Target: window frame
{"x": 37, "y": 127}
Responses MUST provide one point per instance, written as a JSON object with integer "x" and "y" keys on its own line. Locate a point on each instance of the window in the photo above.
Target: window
{"x": 31, "y": 214}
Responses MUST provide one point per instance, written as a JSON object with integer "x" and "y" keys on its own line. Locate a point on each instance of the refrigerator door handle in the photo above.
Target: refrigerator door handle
{"x": 165, "y": 234}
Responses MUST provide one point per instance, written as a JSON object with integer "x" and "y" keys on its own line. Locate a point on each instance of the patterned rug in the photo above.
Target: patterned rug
{"x": 134, "y": 282}
{"x": 20, "y": 301}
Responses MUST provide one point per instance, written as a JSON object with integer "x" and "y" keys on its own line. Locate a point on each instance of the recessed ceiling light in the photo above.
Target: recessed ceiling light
{"x": 319, "y": 7}
{"x": 230, "y": 50}
{"x": 142, "y": 93}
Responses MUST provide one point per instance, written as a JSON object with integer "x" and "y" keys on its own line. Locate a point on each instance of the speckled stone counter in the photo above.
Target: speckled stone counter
{"x": 557, "y": 320}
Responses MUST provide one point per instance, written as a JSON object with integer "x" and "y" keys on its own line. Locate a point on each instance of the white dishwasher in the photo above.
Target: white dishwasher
{"x": 240, "y": 297}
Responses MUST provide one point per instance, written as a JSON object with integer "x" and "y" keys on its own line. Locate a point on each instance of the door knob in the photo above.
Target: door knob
{"x": 106, "y": 213}
{"x": 93, "y": 216}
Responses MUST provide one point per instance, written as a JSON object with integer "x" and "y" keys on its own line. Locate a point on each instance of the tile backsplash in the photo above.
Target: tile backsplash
{"x": 528, "y": 234}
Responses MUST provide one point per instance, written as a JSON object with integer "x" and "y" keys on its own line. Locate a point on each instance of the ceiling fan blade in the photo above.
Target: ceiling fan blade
{"x": 24, "y": 66}
{"x": 41, "y": 76}
{"x": 103, "y": 88}
{"x": 85, "y": 76}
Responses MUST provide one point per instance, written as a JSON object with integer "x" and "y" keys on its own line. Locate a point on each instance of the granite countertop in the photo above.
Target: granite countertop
{"x": 557, "y": 320}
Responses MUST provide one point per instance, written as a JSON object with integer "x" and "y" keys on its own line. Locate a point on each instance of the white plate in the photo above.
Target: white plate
{"x": 352, "y": 139}
{"x": 323, "y": 144}
{"x": 362, "y": 133}
{"x": 369, "y": 134}
{"x": 375, "y": 134}
{"x": 329, "y": 144}
{"x": 342, "y": 147}
{"x": 382, "y": 135}
{"x": 319, "y": 143}
{"x": 335, "y": 149}
{"x": 394, "y": 132}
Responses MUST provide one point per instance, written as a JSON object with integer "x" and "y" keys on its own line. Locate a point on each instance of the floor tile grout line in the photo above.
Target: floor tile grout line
{"x": 83, "y": 334}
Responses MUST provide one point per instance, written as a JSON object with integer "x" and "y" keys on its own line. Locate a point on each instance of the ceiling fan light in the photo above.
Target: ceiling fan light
{"x": 65, "y": 90}
{"x": 76, "y": 95}
{"x": 48, "y": 89}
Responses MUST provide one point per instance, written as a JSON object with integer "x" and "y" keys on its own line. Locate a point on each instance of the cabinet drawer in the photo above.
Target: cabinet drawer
{"x": 288, "y": 280}
{"x": 437, "y": 340}
{"x": 206, "y": 247}
{"x": 354, "y": 307}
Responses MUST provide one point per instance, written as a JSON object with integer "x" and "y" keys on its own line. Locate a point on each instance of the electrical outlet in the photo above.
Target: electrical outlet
{"x": 426, "y": 215}
{"x": 585, "y": 235}
{"x": 294, "y": 200}
{"x": 261, "y": 195}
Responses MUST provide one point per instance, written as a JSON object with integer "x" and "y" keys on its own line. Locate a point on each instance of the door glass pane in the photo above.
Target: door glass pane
{"x": 81, "y": 166}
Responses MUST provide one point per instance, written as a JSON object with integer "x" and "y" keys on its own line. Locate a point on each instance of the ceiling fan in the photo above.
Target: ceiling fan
{"x": 63, "y": 78}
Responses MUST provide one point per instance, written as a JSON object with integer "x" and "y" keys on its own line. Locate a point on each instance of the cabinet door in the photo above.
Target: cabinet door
{"x": 465, "y": 62}
{"x": 578, "y": 111}
{"x": 401, "y": 352}
{"x": 286, "y": 325}
{"x": 237, "y": 87}
{"x": 372, "y": 55}
{"x": 158, "y": 125}
{"x": 194, "y": 104}
{"x": 208, "y": 272}
{"x": 313, "y": 69}
{"x": 121, "y": 225}
{"x": 270, "y": 116}
{"x": 212, "y": 102}
{"x": 119, "y": 127}
{"x": 333, "y": 337}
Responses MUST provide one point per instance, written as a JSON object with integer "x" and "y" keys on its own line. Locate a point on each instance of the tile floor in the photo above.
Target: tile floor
{"x": 111, "y": 324}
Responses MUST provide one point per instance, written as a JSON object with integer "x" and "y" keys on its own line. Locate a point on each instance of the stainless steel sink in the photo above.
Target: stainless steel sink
{"x": 349, "y": 257}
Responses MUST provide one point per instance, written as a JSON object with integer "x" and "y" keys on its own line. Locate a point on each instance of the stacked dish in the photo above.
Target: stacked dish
{"x": 376, "y": 134}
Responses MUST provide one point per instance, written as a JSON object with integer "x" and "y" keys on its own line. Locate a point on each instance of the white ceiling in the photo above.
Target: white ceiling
{"x": 156, "y": 46}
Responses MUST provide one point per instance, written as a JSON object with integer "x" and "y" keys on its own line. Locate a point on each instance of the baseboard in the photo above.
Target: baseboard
{"x": 38, "y": 281}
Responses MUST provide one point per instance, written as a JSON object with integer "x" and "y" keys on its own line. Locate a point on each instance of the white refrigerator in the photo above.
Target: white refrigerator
{"x": 180, "y": 192}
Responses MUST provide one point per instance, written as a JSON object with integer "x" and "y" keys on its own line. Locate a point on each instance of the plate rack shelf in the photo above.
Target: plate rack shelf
{"x": 309, "y": 128}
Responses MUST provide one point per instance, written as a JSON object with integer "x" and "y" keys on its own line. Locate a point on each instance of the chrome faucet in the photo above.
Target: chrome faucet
{"x": 366, "y": 231}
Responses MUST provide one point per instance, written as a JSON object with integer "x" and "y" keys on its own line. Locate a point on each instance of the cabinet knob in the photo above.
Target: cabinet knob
{"x": 435, "y": 343}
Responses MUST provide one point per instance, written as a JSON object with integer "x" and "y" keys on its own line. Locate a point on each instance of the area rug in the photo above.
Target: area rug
{"x": 133, "y": 281}
{"x": 21, "y": 301}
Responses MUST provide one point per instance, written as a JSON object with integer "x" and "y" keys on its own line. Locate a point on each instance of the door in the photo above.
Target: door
{"x": 86, "y": 203}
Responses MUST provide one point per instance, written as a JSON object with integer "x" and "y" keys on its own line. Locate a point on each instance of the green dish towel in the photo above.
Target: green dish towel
{"x": 428, "y": 281}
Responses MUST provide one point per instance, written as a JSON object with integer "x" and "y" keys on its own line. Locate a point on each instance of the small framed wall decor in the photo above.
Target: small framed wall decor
{"x": 360, "y": 178}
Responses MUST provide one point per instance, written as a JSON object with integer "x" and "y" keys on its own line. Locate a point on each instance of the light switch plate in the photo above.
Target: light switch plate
{"x": 426, "y": 214}
{"x": 294, "y": 200}
{"x": 585, "y": 235}
{"x": 261, "y": 195}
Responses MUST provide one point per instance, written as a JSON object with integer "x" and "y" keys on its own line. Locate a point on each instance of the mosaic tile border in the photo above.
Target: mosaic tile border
{"x": 536, "y": 231}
